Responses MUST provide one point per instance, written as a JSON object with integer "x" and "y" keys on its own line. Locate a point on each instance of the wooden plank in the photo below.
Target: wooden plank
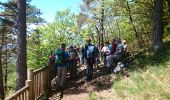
{"x": 17, "y": 93}
{"x": 39, "y": 70}
{"x": 35, "y": 86}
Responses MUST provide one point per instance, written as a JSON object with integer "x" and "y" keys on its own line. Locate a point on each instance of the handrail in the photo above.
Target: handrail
{"x": 39, "y": 70}
{"x": 22, "y": 94}
{"x": 38, "y": 82}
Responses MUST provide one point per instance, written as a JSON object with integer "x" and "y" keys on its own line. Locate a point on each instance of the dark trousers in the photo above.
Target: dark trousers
{"x": 89, "y": 68}
{"x": 73, "y": 69}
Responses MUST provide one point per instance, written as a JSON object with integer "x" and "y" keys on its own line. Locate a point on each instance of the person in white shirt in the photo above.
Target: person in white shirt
{"x": 105, "y": 51}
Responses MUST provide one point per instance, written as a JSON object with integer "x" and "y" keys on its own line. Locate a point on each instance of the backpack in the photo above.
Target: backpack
{"x": 60, "y": 56}
{"x": 73, "y": 54}
{"x": 90, "y": 51}
{"x": 52, "y": 59}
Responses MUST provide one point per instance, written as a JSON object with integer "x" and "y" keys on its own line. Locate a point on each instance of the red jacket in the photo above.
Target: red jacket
{"x": 113, "y": 48}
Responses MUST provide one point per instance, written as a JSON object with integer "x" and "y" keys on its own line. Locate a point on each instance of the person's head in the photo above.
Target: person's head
{"x": 113, "y": 40}
{"x": 124, "y": 41}
{"x": 107, "y": 43}
{"x": 88, "y": 40}
{"x": 71, "y": 47}
{"x": 118, "y": 41}
{"x": 63, "y": 46}
{"x": 81, "y": 46}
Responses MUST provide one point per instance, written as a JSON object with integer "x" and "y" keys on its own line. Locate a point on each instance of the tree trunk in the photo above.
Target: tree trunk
{"x": 21, "y": 67}
{"x": 102, "y": 24}
{"x": 157, "y": 24}
{"x": 98, "y": 33}
{"x": 168, "y": 7}
{"x": 133, "y": 26}
{"x": 2, "y": 95}
{"x": 6, "y": 69}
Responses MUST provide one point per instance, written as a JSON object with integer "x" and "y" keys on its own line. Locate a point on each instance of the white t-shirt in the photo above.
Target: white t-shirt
{"x": 106, "y": 49}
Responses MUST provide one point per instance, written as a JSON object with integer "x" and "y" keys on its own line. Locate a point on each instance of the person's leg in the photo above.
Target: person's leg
{"x": 81, "y": 58}
{"x": 87, "y": 65}
{"x": 91, "y": 68}
{"x": 104, "y": 59}
{"x": 71, "y": 69}
{"x": 64, "y": 72}
{"x": 74, "y": 70}
{"x": 59, "y": 75}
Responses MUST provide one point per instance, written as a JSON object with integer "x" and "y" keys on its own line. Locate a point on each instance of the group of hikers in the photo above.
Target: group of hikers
{"x": 66, "y": 59}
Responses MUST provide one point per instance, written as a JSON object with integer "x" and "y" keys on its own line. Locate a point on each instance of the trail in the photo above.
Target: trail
{"x": 99, "y": 87}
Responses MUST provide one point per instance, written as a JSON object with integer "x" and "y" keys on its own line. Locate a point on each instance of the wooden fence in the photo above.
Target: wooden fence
{"x": 38, "y": 83}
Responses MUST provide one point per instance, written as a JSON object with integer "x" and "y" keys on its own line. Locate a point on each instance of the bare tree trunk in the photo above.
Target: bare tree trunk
{"x": 118, "y": 29}
{"x": 98, "y": 32}
{"x": 131, "y": 21}
{"x": 102, "y": 24}
{"x": 21, "y": 67}
{"x": 168, "y": 6}
{"x": 157, "y": 24}
{"x": 2, "y": 95}
{"x": 6, "y": 69}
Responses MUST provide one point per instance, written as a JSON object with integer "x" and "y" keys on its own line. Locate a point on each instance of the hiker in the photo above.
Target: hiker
{"x": 90, "y": 57}
{"x": 113, "y": 47}
{"x": 62, "y": 64}
{"x": 125, "y": 45}
{"x": 117, "y": 56}
{"x": 121, "y": 63}
{"x": 119, "y": 51}
{"x": 81, "y": 54}
{"x": 73, "y": 54}
{"x": 105, "y": 51}
{"x": 51, "y": 59}
{"x": 97, "y": 59}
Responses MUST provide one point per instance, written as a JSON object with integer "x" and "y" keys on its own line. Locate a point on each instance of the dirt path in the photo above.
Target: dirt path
{"x": 99, "y": 88}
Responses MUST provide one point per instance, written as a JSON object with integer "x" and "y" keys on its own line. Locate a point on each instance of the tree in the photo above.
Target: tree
{"x": 21, "y": 67}
{"x": 133, "y": 26}
{"x": 3, "y": 27}
{"x": 157, "y": 24}
{"x": 94, "y": 10}
{"x": 10, "y": 12}
{"x": 47, "y": 38}
{"x": 1, "y": 74}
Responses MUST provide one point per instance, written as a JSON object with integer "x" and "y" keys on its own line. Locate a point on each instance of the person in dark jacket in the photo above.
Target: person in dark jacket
{"x": 90, "y": 57}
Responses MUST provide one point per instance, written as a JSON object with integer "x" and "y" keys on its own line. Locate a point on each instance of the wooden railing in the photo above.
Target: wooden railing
{"x": 22, "y": 94}
{"x": 38, "y": 83}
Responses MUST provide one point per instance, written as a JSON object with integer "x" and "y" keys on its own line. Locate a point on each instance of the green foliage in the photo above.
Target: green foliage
{"x": 149, "y": 77}
{"x": 92, "y": 96}
{"x": 45, "y": 40}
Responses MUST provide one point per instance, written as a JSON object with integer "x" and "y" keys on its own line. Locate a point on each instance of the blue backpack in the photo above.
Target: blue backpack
{"x": 90, "y": 51}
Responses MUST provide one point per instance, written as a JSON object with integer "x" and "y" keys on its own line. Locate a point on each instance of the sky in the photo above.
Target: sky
{"x": 49, "y": 7}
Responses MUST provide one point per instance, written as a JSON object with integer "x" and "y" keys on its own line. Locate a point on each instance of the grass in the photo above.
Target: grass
{"x": 92, "y": 96}
{"x": 149, "y": 77}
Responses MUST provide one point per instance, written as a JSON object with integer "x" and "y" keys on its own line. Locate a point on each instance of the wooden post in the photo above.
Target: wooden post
{"x": 29, "y": 83}
{"x": 31, "y": 77}
{"x": 42, "y": 81}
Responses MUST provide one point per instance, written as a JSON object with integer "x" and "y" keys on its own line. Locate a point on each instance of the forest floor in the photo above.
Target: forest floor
{"x": 100, "y": 86}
